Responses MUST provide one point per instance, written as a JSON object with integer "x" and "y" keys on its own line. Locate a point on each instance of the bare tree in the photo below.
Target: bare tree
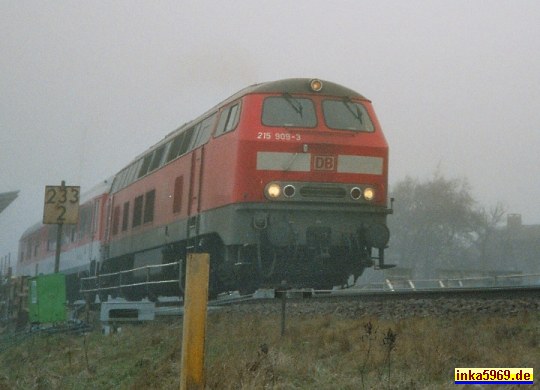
{"x": 487, "y": 233}
{"x": 435, "y": 223}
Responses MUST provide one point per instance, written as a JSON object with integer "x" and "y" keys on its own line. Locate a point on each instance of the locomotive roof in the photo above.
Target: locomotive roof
{"x": 291, "y": 86}
{"x": 297, "y": 86}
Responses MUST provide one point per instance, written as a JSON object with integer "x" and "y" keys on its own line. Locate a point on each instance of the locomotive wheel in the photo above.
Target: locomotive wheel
{"x": 248, "y": 283}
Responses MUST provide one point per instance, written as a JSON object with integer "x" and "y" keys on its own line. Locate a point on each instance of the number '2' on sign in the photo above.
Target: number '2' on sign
{"x": 61, "y": 205}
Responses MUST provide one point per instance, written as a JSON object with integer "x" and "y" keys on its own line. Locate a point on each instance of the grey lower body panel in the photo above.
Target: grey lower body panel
{"x": 241, "y": 224}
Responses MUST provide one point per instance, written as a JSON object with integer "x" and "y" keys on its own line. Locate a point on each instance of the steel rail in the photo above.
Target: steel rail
{"x": 355, "y": 294}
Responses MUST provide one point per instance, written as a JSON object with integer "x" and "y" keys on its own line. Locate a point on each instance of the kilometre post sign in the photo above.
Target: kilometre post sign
{"x": 61, "y": 205}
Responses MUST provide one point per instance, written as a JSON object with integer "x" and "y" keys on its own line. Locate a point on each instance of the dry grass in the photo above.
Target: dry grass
{"x": 247, "y": 352}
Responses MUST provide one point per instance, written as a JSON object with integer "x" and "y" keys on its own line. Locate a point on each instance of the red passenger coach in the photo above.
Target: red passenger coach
{"x": 285, "y": 180}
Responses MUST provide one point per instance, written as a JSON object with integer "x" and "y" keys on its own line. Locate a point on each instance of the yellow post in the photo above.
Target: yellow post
{"x": 195, "y": 309}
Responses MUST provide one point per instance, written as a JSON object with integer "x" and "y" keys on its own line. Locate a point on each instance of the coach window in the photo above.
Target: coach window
{"x": 125, "y": 217}
{"x": 288, "y": 111}
{"x": 51, "y": 238}
{"x": 85, "y": 221}
{"x": 118, "y": 179}
{"x": 149, "y": 201}
{"x": 95, "y": 216}
{"x": 137, "y": 211}
{"x": 228, "y": 119}
{"x": 347, "y": 115}
{"x": 128, "y": 177}
{"x": 124, "y": 178}
{"x": 132, "y": 173}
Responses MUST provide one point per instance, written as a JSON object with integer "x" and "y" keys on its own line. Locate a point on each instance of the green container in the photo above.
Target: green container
{"x": 47, "y": 298}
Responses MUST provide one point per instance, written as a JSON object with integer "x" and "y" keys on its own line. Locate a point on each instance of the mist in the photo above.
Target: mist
{"x": 86, "y": 87}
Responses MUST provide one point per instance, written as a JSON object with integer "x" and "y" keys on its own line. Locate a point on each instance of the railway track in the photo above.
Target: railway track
{"x": 358, "y": 294}
{"x": 390, "y": 304}
{"x": 355, "y": 302}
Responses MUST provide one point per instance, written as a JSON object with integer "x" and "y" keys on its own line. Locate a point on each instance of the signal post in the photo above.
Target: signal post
{"x": 61, "y": 207}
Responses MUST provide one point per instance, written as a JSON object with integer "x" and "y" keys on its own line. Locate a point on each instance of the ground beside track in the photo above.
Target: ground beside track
{"x": 406, "y": 344}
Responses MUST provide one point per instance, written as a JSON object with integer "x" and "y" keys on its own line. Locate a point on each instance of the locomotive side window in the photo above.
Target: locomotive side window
{"x": 145, "y": 165}
{"x": 174, "y": 149}
{"x": 188, "y": 135}
{"x": 149, "y": 201}
{"x": 204, "y": 131}
{"x": 228, "y": 119}
{"x": 156, "y": 160}
{"x": 288, "y": 111}
{"x": 347, "y": 115}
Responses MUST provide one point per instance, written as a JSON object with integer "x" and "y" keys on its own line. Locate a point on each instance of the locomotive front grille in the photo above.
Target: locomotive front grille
{"x": 323, "y": 192}
{"x": 294, "y": 191}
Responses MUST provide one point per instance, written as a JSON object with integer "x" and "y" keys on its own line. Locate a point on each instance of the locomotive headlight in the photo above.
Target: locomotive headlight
{"x": 273, "y": 190}
{"x": 369, "y": 193}
{"x": 315, "y": 85}
{"x": 289, "y": 190}
{"x": 356, "y": 193}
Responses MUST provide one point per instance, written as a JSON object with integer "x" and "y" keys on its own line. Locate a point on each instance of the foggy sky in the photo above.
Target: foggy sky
{"x": 87, "y": 86}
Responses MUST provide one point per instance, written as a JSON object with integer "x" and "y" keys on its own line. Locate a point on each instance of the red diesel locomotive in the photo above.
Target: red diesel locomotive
{"x": 283, "y": 181}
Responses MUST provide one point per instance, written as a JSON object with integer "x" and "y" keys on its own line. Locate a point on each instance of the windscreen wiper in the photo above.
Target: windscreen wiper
{"x": 357, "y": 114}
{"x": 295, "y": 104}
